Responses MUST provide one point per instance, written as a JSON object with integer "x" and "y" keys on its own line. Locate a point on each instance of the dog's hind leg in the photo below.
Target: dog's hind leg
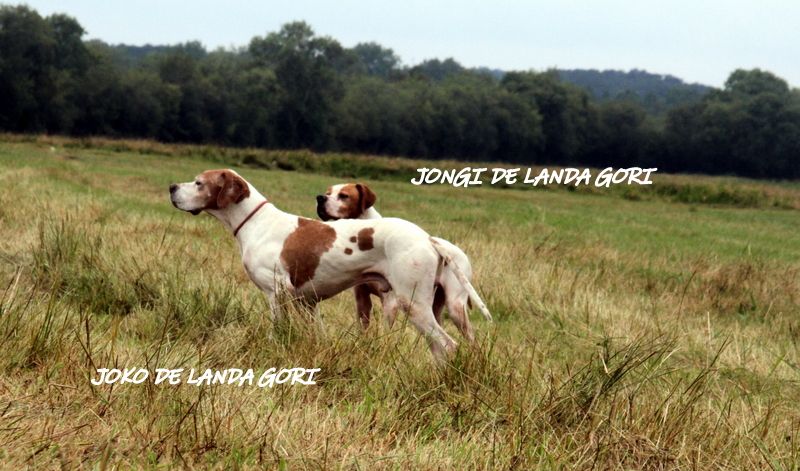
{"x": 390, "y": 307}
{"x": 440, "y": 343}
{"x": 363, "y": 304}
{"x": 439, "y": 297}
{"x": 458, "y": 314}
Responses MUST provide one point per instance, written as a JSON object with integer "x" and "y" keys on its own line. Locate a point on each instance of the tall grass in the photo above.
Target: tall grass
{"x": 599, "y": 358}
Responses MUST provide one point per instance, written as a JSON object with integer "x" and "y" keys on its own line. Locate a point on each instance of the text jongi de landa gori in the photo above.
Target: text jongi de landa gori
{"x": 204, "y": 377}
{"x": 474, "y": 176}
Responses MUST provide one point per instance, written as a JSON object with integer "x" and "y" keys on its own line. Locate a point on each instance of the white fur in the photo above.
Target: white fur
{"x": 454, "y": 277}
{"x": 402, "y": 254}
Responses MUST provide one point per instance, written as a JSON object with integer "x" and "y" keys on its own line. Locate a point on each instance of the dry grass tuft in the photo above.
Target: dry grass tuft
{"x": 630, "y": 334}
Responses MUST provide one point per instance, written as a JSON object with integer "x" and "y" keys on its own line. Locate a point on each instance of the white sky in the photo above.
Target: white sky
{"x": 698, "y": 41}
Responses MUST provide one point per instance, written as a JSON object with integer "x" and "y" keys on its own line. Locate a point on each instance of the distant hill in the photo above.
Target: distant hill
{"x": 137, "y": 53}
{"x": 497, "y": 74}
{"x": 657, "y": 93}
{"x": 128, "y": 55}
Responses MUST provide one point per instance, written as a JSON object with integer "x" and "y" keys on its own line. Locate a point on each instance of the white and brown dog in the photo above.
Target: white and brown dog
{"x": 453, "y": 282}
{"x": 315, "y": 260}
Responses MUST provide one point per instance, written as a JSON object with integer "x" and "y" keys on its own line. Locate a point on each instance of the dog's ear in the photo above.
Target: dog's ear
{"x": 233, "y": 190}
{"x": 365, "y": 196}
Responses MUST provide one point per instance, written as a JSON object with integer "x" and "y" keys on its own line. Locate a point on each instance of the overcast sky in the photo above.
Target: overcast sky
{"x": 698, "y": 41}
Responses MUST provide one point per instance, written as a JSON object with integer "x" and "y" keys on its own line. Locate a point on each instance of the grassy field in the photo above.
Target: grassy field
{"x": 648, "y": 330}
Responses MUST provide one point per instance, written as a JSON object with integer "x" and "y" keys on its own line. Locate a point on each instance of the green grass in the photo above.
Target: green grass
{"x": 649, "y": 328}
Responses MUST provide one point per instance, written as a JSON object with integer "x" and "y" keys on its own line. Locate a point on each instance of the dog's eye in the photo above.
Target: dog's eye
{"x": 197, "y": 183}
{"x": 343, "y": 196}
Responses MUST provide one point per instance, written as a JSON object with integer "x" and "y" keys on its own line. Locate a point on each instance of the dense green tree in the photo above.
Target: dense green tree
{"x": 567, "y": 119}
{"x": 370, "y": 115}
{"x": 27, "y": 75}
{"x": 305, "y": 66}
{"x": 376, "y": 60}
{"x": 437, "y": 70}
{"x": 750, "y": 127}
{"x": 620, "y": 125}
{"x": 98, "y": 93}
{"x": 70, "y": 53}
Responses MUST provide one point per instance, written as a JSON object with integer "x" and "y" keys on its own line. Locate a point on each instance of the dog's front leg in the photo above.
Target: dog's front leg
{"x": 318, "y": 317}
{"x": 275, "y": 308}
{"x": 311, "y": 310}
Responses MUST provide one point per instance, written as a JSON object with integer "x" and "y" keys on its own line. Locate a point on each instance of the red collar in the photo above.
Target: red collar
{"x": 236, "y": 231}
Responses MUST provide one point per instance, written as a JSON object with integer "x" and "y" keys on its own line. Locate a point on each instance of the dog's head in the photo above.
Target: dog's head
{"x": 211, "y": 190}
{"x": 345, "y": 201}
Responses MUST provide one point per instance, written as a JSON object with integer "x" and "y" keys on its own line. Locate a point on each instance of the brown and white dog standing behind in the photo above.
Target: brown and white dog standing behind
{"x": 315, "y": 260}
{"x": 453, "y": 286}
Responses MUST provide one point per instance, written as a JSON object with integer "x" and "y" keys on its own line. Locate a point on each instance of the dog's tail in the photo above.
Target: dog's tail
{"x": 447, "y": 256}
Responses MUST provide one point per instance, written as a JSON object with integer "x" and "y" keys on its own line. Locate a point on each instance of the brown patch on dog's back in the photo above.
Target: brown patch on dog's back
{"x": 304, "y": 247}
{"x": 353, "y": 239}
{"x": 365, "y": 241}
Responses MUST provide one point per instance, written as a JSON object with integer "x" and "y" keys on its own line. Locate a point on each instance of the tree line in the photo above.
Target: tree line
{"x": 295, "y": 89}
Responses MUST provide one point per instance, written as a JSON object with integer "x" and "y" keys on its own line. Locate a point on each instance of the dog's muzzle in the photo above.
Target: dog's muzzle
{"x": 172, "y": 189}
{"x": 321, "y": 211}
